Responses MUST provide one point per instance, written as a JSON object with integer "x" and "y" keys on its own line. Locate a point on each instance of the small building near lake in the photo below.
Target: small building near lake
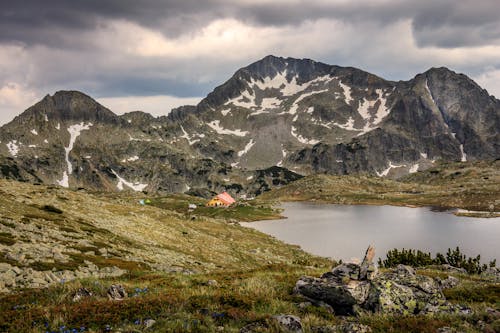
{"x": 221, "y": 200}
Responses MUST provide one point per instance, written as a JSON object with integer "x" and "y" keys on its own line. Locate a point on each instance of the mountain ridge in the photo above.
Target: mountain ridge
{"x": 297, "y": 114}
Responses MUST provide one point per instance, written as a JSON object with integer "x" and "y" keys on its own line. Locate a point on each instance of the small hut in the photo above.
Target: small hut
{"x": 221, "y": 200}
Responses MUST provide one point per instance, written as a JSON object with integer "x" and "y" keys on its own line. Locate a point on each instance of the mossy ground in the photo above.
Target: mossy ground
{"x": 187, "y": 303}
{"x": 255, "y": 273}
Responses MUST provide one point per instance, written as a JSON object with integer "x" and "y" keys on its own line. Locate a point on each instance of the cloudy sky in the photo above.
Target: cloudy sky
{"x": 152, "y": 55}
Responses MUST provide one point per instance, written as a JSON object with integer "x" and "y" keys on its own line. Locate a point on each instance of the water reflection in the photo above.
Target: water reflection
{"x": 344, "y": 232}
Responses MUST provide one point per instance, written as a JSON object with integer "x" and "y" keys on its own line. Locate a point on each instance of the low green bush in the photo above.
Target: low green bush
{"x": 419, "y": 258}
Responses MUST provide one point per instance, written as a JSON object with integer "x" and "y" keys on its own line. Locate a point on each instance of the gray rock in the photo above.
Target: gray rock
{"x": 148, "y": 323}
{"x": 352, "y": 328}
{"x": 449, "y": 282}
{"x": 349, "y": 270}
{"x": 289, "y": 323}
{"x": 399, "y": 291}
{"x": 117, "y": 292}
{"x": 405, "y": 270}
{"x": 80, "y": 294}
{"x": 342, "y": 297}
{"x": 255, "y": 327}
{"x": 367, "y": 269}
{"x": 212, "y": 283}
{"x": 453, "y": 269}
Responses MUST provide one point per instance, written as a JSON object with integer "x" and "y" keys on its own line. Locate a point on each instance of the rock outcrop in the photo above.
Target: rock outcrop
{"x": 351, "y": 289}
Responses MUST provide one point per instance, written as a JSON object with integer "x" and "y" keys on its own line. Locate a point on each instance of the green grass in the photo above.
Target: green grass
{"x": 477, "y": 293}
{"x": 186, "y": 303}
{"x": 241, "y": 211}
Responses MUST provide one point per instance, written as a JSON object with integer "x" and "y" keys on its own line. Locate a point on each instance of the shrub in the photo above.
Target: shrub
{"x": 418, "y": 258}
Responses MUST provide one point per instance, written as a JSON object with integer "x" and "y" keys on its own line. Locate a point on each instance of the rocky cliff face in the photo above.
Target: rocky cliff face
{"x": 300, "y": 115}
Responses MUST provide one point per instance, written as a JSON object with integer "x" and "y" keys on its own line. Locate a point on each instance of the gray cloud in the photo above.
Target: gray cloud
{"x": 111, "y": 48}
{"x": 452, "y": 24}
{"x": 445, "y": 23}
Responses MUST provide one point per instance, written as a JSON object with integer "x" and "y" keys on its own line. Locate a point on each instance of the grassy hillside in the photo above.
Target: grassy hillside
{"x": 55, "y": 228}
{"x": 469, "y": 186}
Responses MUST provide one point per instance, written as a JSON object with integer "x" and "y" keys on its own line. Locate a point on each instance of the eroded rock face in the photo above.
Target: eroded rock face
{"x": 351, "y": 288}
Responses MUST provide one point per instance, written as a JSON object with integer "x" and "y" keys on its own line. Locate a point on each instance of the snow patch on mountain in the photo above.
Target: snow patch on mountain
{"x": 130, "y": 159}
{"x": 295, "y": 106}
{"x": 287, "y": 88}
{"x": 464, "y": 155}
{"x": 247, "y": 148}
{"x": 34, "y": 132}
{"x": 347, "y": 92}
{"x": 245, "y": 100}
{"x": 429, "y": 92}
{"x": 301, "y": 139}
{"x": 13, "y": 147}
{"x": 215, "y": 125}
{"x": 186, "y": 136}
{"x": 134, "y": 186}
{"x": 349, "y": 125}
{"x": 74, "y": 132}
{"x": 414, "y": 168}
{"x": 270, "y": 103}
{"x": 284, "y": 153}
{"x": 385, "y": 172}
{"x": 64, "y": 180}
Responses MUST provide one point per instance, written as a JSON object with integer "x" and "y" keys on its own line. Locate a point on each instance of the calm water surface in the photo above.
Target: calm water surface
{"x": 344, "y": 232}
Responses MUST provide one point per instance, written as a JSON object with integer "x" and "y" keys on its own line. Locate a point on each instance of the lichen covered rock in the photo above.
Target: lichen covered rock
{"x": 351, "y": 289}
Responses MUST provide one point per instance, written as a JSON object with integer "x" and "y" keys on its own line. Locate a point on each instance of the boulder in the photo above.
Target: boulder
{"x": 449, "y": 282}
{"x": 148, "y": 323}
{"x": 117, "y": 292}
{"x": 212, "y": 283}
{"x": 342, "y": 297}
{"x": 289, "y": 323}
{"x": 80, "y": 294}
{"x": 368, "y": 269}
{"x": 351, "y": 289}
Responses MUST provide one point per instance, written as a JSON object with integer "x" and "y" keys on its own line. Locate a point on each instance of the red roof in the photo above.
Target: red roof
{"x": 226, "y": 198}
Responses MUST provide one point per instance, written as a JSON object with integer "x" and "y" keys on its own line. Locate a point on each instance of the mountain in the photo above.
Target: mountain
{"x": 270, "y": 123}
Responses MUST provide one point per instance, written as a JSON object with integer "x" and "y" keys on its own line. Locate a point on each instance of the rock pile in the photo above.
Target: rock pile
{"x": 350, "y": 289}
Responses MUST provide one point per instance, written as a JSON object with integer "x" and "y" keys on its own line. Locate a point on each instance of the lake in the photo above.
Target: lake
{"x": 345, "y": 231}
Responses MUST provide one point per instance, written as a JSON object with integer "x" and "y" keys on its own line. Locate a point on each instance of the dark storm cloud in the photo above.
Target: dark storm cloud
{"x": 445, "y": 23}
{"x": 451, "y": 23}
{"x": 44, "y": 22}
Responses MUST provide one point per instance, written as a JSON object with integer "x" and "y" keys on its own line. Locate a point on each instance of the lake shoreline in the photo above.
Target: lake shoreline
{"x": 457, "y": 211}
{"x": 326, "y": 229}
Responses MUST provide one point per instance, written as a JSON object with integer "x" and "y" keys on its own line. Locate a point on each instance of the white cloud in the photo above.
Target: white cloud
{"x": 14, "y": 99}
{"x": 156, "y": 105}
{"x": 490, "y": 80}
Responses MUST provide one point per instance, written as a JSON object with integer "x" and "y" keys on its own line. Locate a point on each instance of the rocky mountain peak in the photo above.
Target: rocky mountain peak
{"x": 73, "y": 106}
{"x": 270, "y": 66}
{"x": 298, "y": 114}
